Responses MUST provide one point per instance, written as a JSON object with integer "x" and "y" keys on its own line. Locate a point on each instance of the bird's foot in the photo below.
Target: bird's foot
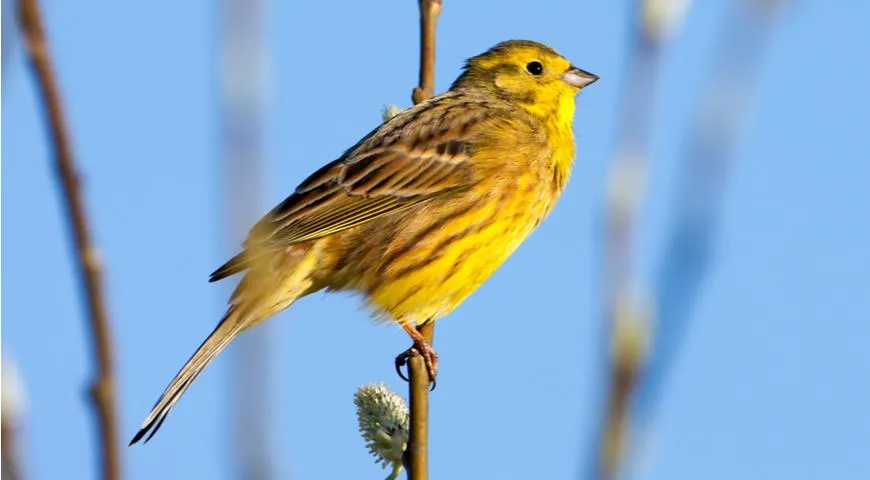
{"x": 421, "y": 348}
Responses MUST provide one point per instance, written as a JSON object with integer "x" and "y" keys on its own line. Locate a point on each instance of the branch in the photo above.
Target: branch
{"x": 418, "y": 441}
{"x": 629, "y": 325}
{"x": 9, "y": 455}
{"x": 690, "y": 249}
{"x": 429, "y": 12}
{"x": 243, "y": 56}
{"x": 12, "y": 410}
{"x": 102, "y": 390}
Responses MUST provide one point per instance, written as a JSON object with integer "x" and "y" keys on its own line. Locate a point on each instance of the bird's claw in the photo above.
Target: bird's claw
{"x": 430, "y": 358}
{"x": 401, "y": 361}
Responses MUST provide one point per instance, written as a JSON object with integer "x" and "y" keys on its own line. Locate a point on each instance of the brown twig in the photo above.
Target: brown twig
{"x": 102, "y": 390}
{"x": 429, "y": 12}
{"x": 629, "y": 326}
{"x": 418, "y": 442}
{"x": 12, "y": 406}
{"x": 630, "y": 341}
{"x": 418, "y": 386}
{"x": 243, "y": 57}
{"x": 9, "y": 454}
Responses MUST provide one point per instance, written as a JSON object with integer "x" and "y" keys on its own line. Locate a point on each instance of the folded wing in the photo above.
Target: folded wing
{"x": 418, "y": 155}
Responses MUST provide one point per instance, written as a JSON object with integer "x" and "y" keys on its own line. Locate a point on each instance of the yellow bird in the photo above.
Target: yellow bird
{"x": 420, "y": 212}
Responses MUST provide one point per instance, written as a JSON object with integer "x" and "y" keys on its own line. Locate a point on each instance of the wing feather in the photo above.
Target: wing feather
{"x": 419, "y": 154}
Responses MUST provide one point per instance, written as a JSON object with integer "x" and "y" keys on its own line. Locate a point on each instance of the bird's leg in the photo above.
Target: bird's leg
{"x": 421, "y": 347}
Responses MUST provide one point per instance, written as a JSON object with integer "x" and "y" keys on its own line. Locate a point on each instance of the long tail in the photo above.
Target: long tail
{"x": 231, "y": 325}
{"x": 263, "y": 292}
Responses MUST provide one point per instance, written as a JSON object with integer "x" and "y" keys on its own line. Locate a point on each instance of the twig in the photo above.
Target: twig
{"x": 243, "y": 96}
{"x": 429, "y": 12}
{"x": 629, "y": 346}
{"x": 690, "y": 250}
{"x": 418, "y": 442}
{"x": 629, "y": 325}
{"x": 9, "y": 455}
{"x": 102, "y": 389}
{"x": 12, "y": 408}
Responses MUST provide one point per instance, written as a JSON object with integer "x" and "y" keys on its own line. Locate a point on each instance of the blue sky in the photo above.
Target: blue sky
{"x": 769, "y": 382}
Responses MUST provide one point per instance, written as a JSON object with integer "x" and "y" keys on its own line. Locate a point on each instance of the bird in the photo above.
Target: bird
{"x": 417, "y": 214}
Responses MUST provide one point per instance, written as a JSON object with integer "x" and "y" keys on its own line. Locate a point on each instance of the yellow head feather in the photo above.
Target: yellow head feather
{"x": 525, "y": 72}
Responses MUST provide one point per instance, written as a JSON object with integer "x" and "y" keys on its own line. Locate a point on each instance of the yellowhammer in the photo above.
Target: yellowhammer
{"x": 417, "y": 214}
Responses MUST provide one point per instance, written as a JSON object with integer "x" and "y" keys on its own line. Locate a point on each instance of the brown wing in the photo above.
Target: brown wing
{"x": 348, "y": 193}
{"x": 419, "y": 154}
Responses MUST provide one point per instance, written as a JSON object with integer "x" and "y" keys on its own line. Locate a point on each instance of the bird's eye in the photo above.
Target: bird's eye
{"x": 535, "y": 68}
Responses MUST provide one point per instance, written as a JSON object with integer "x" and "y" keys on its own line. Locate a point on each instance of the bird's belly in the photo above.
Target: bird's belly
{"x": 443, "y": 262}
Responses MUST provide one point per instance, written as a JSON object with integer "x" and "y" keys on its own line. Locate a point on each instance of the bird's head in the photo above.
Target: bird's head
{"x": 528, "y": 73}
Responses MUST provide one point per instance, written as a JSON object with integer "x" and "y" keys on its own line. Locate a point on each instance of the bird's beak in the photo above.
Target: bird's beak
{"x": 578, "y": 77}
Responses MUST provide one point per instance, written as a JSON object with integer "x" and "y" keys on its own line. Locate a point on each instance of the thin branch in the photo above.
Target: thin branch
{"x": 9, "y": 437}
{"x": 12, "y": 409}
{"x": 243, "y": 95}
{"x": 629, "y": 326}
{"x": 690, "y": 250}
{"x": 418, "y": 441}
{"x": 102, "y": 390}
{"x": 430, "y": 10}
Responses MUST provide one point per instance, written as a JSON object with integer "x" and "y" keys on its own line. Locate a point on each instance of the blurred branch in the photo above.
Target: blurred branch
{"x": 9, "y": 438}
{"x": 629, "y": 325}
{"x": 102, "y": 389}
{"x": 12, "y": 406}
{"x": 724, "y": 104}
{"x": 243, "y": 96}
{"x": 418, "y": 443}
{"x": 636, "y": 378}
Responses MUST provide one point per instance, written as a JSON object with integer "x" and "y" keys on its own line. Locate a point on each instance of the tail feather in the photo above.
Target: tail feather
{"x": 231, "y": 325}
{"x": 261, "y": 293}
{"x": 237, "y": 264}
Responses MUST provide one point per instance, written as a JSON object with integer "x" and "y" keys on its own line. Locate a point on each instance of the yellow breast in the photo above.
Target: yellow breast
{"x": 448, "y": 249}
{"x": 457, "y": 251}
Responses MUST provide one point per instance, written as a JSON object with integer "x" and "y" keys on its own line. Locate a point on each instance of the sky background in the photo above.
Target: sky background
{"x": 772, "y": 378}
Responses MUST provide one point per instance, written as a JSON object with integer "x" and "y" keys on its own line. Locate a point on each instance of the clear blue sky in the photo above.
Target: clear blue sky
{"x": 772, "y": 379}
